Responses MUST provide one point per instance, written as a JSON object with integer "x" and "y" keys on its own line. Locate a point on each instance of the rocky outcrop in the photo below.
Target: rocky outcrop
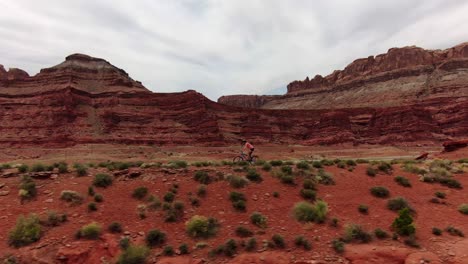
{"x": 85, "y": 100}
{"x": 248, "y": 101}
{"x": 402, "y": 76}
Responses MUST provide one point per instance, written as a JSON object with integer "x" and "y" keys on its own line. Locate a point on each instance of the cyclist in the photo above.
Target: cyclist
{"x": 247, "y": 148}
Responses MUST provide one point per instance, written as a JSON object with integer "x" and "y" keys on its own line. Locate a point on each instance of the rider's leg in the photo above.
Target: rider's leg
{"x": 250, "y": 154}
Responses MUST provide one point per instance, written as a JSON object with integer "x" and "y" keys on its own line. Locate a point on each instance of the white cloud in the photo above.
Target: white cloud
{"x": 222, "y": 46}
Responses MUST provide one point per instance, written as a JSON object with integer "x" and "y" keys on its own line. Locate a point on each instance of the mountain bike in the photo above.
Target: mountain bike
{"x": 244, "y": 157}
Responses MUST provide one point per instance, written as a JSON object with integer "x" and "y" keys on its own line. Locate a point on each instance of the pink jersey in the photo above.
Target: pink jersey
{"x": 248, "y": 146}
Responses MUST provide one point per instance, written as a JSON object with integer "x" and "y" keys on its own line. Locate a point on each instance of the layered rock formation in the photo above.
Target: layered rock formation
{"x": 87, "y": 100}
{"x": 402, "y": 76}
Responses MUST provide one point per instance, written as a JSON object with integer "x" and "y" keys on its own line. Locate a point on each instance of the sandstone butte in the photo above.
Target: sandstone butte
{"x": 408, "y": 96}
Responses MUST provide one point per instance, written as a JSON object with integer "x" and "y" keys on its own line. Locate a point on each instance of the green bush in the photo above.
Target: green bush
{"x": 253, "y": 175}
{"x": 178, "y": 164}
{"x": 230, "y": 248}
{"x": 397, "y": 203}
{"x": 55, "y": 219}
{"x": 440, "y": 195}
{"x": 276, "y": 163}
{"x": 371, "y": 171}
{"x": 38, "y": 167}
{"x": 341, "y": 164}
{"x": 258, "y": 219}
{"x": 115, "y": 227}
{"x": 454, "y": 231}
{"x": 403, "y": 224}
{"x": 155, "y": 238}
{"x": 364, "y": 209}
{"x": 92, "y": 207}
{"x": 27, "y": 188}
{"x": 278, "y": 240}
{"x": 237, "y": 182}
{"x": 242, "y": 231}
{"x": 81, "y": 170}
{"x": 317, "y": 164}
{"x": 140, "y": 192}
{"x": 169, "y": 197}
{"x": 327, "y": 162}
{"x": 301, "y": 241}
{"x": 380, "y": 234}
{"x": 380, "y": 191}
{"x": 62, "y": 167}
{"x": 201, "y": 227}
{"x": 98, "y": 198}
{"x": 134, "y": 255}
{"x": 202, "y": 177}
{"x": 385, "y": 167}
{"x": 184, "y": 249}
{"x": 124, "y": 243}
{"x": 168, "y": 251}
{"x": 23, "y": 168}
{"x": 251, "y": 244}
{"x": 102, "y": 180}
{"x": 26, "y": 231}
{"x": 287, "y": 179}
{"x": 325, "y": 178}
{"x": 90, "y": 231}
{"x": 351, "y": 163}
{"x": 71, "y": 197}
{"x": 463, "y": 208}
{"x": 266, "y": 167}
{"x": 286, "y": 169}
{"x": 402, "y": 181}
{"x": 338, "y": 246}
{"x": 306, "y": 212}
{"x": 91, "y": 191}
{"x": 355, "y": 232}
{"x": 276, "y": 194}
{"x": 308, "y": 194}
{"x": 361, "y": 161}
{"x": 201, "y": 190}
{"x": 303, "y": 165}
{"x": 436, "y": 231}
{"x": 308, "y": 184}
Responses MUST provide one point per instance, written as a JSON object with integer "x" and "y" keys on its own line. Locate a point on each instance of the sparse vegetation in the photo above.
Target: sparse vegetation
{"x": 303, "y": 165}
{"x": 276, "y": 194}
{"x": 371, "y": 171}
{"x": 440, "y": 195}
{"x": 81, "y": 169}
{"x": 308, "y": 194}
{"x": 355, "y": 232}
{"x": 307, "y": 212}
{"x": 184, "y": 249}
{"x": 102, "y": 180}
{"x": 380, "y": 191}
{"x": 201, "y": 190}
{"x": 115, "y": 227}
{"x": 71, "y": 197}
{"x": 98, "y": 198}
{"x": 54, "y": 219}
{"x": 402, "y": 181}
{"x": 251, "y": 244}
{"x": 380, "y": 234}
{"x": 169, "y": 197}
{"x": 27, "y": 188}
{"x": 403, "y": 224}
{"x": 168, "y": 251}
{"x": 201, "y": 227}
{"x": 155, "y": 238}
{"x": 436, "y": 231}
{"x": 278, "y": 240}
{"x": 325, "y": 178}
{"x": 237, "y": 182}
{"x": 276, "y": 163}
{"x": 140, "y": 192}
{"x": 26, "y": 231}
{"x": 38, "y": 167}
{"x": 92, "y": 207}
{"x": 238, "y": 200}
{"x": 134, "y": 255}
{"x": 463, "y": 208}
{"x": 90, "y": 231}
{"x": 454, "y": 231}
{"x": 398, "y": 203}
{"x": 258, "y": 219}
{"x": 338, "y": 245}
{"x": 253, "y": 175}
{"x": 202, "y": 177}
{"x": 242, "y": 231}
{"x": 363, "y": 209}
{"x": 301, "y": 241}
{"x": 23, "y": 168}
{"x": 178, "y": 164}
{"x": 266, "y": 167}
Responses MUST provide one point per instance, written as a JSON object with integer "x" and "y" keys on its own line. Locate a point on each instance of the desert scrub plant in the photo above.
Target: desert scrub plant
{"x": 23, "y": 168}
{"x": 38, "y": 167}
{"x": 124, "y": 242}
{"x": 363, "y": 209}
{"x": 178, "y": 164}
{"x": 184, "y": 249}
{"x": 308, "y": 184}
{"x": 115, "y": 227}
{"x": 327, "y": 162}
{"x": 276, "y": 194}
{"x": 286, "y": 169}
{"x": 463, "y": 208}
{"x": 91, "y": 191}
{"x": 440, "y": 195}
{"x": 454, "y": 231}
{"x": 242, "y": 231}
{"x": 286, "y": 178}
{"x": 154, "y": 203}
{"x": 89, "y": 231}
{"x": 238, "y": 200}
{"x": 317, "y": 164}
{"x": 398, "y": 203}
{"x": 26, "y": 231}
{"x": 380, "y": 192}
{"x": 278, "y": 240}
{"x": 301, "y": 241}
{"x": 276, "y": 163}
{"x": 102, "y": 180}
{"x": 385, "y": 167}
{"x": 308, "y": 194}
{"x": 202, "y": 177}
{"x": 307, "y": 212}
{"x": 237, "y": 182}
{"x": 266, "y": 167}
{"x": 168, "y": 251}
{"x": 169, "y": 197}
{"x": 98, "y": 198}
{"x": 403, "y": 224}
{"x": 253, "y": 175}
{"x": 81, "y": 169}
{"x": 201, "y": 190}
{"x": 140, "y": 192}
{"x": 303, "y": 165}
{"x": 361, "y": 161}
{"x": 325, "y": 178}
{"x": 251, "y": 244}
{"x": 355, "y": 232}
{"x": 134, "y": 255}
{"x": 338, "y": 245}
{"x": 92, "y": 207}
{"x": 155, "y": 237}
{"x": 371, "y": 171}
{"x": 71, "y": 197}
{"x": 402, "y": 181}
{"x": 411, "y": 241}
{"x": 258, "y": 219}
{"x": 341, "y": 164}
{"x": 54, "y": 219}
{"x": 380, "y": 234}
{"x": 27, "y": 188}
{"x": 436, "y": 231}
{"x": 201, "y": 227}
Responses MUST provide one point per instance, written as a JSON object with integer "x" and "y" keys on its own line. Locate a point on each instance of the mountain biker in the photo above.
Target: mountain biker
{"x": 247, "y": 147}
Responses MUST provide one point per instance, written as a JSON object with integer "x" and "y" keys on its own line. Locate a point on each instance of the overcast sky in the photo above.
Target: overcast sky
{"x": 221, "y": 47}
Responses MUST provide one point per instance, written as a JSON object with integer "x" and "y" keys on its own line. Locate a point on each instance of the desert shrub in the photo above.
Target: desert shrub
{"x": 140, "y": 192}
{"x": 355, "y": 232}
{"x": 380, "y": 191}
{"x": 90, "y": 231}
{"x": 124, "y": 242}
{"x": 402, "y": 181}
{"x": 308, "y": 194}
{"x": 38, "y": 167}
{"x": 325, "y": 178}
{"x": 27, "y": 188}
{"x": 371, "y": 171}
{"x": 115, "y": 227}
{"x": 411, "y": 241}
{"x": 341, "y": 164}
{"x": 463, "y": 208}
{"x": 334, "y": 222}
{"x": 338, "y": 245}
{"x": 363, "y": 209}
{"x": 278, "y": 240}
{"x": 194, "y": 201}
{"x": 102, "y": 180}
{"x": 317, "y": 164}
{"x": 201, "y": 227}
{"x": 403, "y": 224}
{"x": 55, "y": 219}
{"x": 71, "y": 197}
{"x": 258, "y": 219}
{"x": 308, "y": 184}
{"x": 276, "y": 194}
{"x": 286, "y": 169}
{"x": 307, "y": 212}
{"x": 380, "y": 234}
{"x": 351, "y": 163}
{"x": 98, "y": 198}
{"x": 450, "y": 182}
{"x": 301, "y": 241}
{"x": 242, "y": 231}
{"x": 26, "y": 231}
{"x": 236, "y": 196}
{"x": 81, "y": 169}
{"x": 440, "y": 195}
{"x": 201, "y": 190}
{"x": 251, "y": 244}
{"x": 408, "y": 167}
{"x": 155, "y": 237}
{"x": 397, "y": 203}
{"x": 23, "y": 168}
{"x": 385, "y": 167}
{"x": 286, "y": 178}
{"x": 237, "y": 182}
{"x": 303, "y": 165}
{"x": 230, "y": 248}
{"x": 239, "y": 205}
{"x": 202, "y": 177}
{"x": 184, "y": 249}
{"x": 134, "y": 255}
{"x": 92, "y": 207}
{"x": 253, "y": 175}
{"x": 168, "y": 251}
{"x": 91, "y": 191}
{"x": 361, "y": 161}
{"x": 327, "y": 162}
{"x": 62, "y": 167}
{"x": 276, "y": 163}
{"x": 436, "y": 231}
{"x": 454, "y": 231}
{"x": 169, "y": 197}
{"x": 266, "y": 167}
{"x": 178, "y": 164}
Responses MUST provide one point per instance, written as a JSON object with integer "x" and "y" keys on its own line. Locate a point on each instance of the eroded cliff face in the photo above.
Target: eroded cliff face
{"x": 90, "y": 101}
{"x": 402, "y": 76}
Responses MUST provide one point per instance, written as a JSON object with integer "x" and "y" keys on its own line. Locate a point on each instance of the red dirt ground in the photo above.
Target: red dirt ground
{"x": 351, "y": 190}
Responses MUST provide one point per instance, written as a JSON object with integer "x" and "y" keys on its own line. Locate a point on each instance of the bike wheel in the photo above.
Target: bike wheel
{"x": 254, "y": 159}
{"x": 237, "y": 159}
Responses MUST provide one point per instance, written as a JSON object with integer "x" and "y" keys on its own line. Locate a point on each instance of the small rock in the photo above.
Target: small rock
{"x": 141, "y": 233}
{"x": 127, "y": 233}
{"x": 451, "y": 253}
{"x": 2, "y": 185}
{"x": 4, "y": 193}
{"x": 49, "y": 200}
